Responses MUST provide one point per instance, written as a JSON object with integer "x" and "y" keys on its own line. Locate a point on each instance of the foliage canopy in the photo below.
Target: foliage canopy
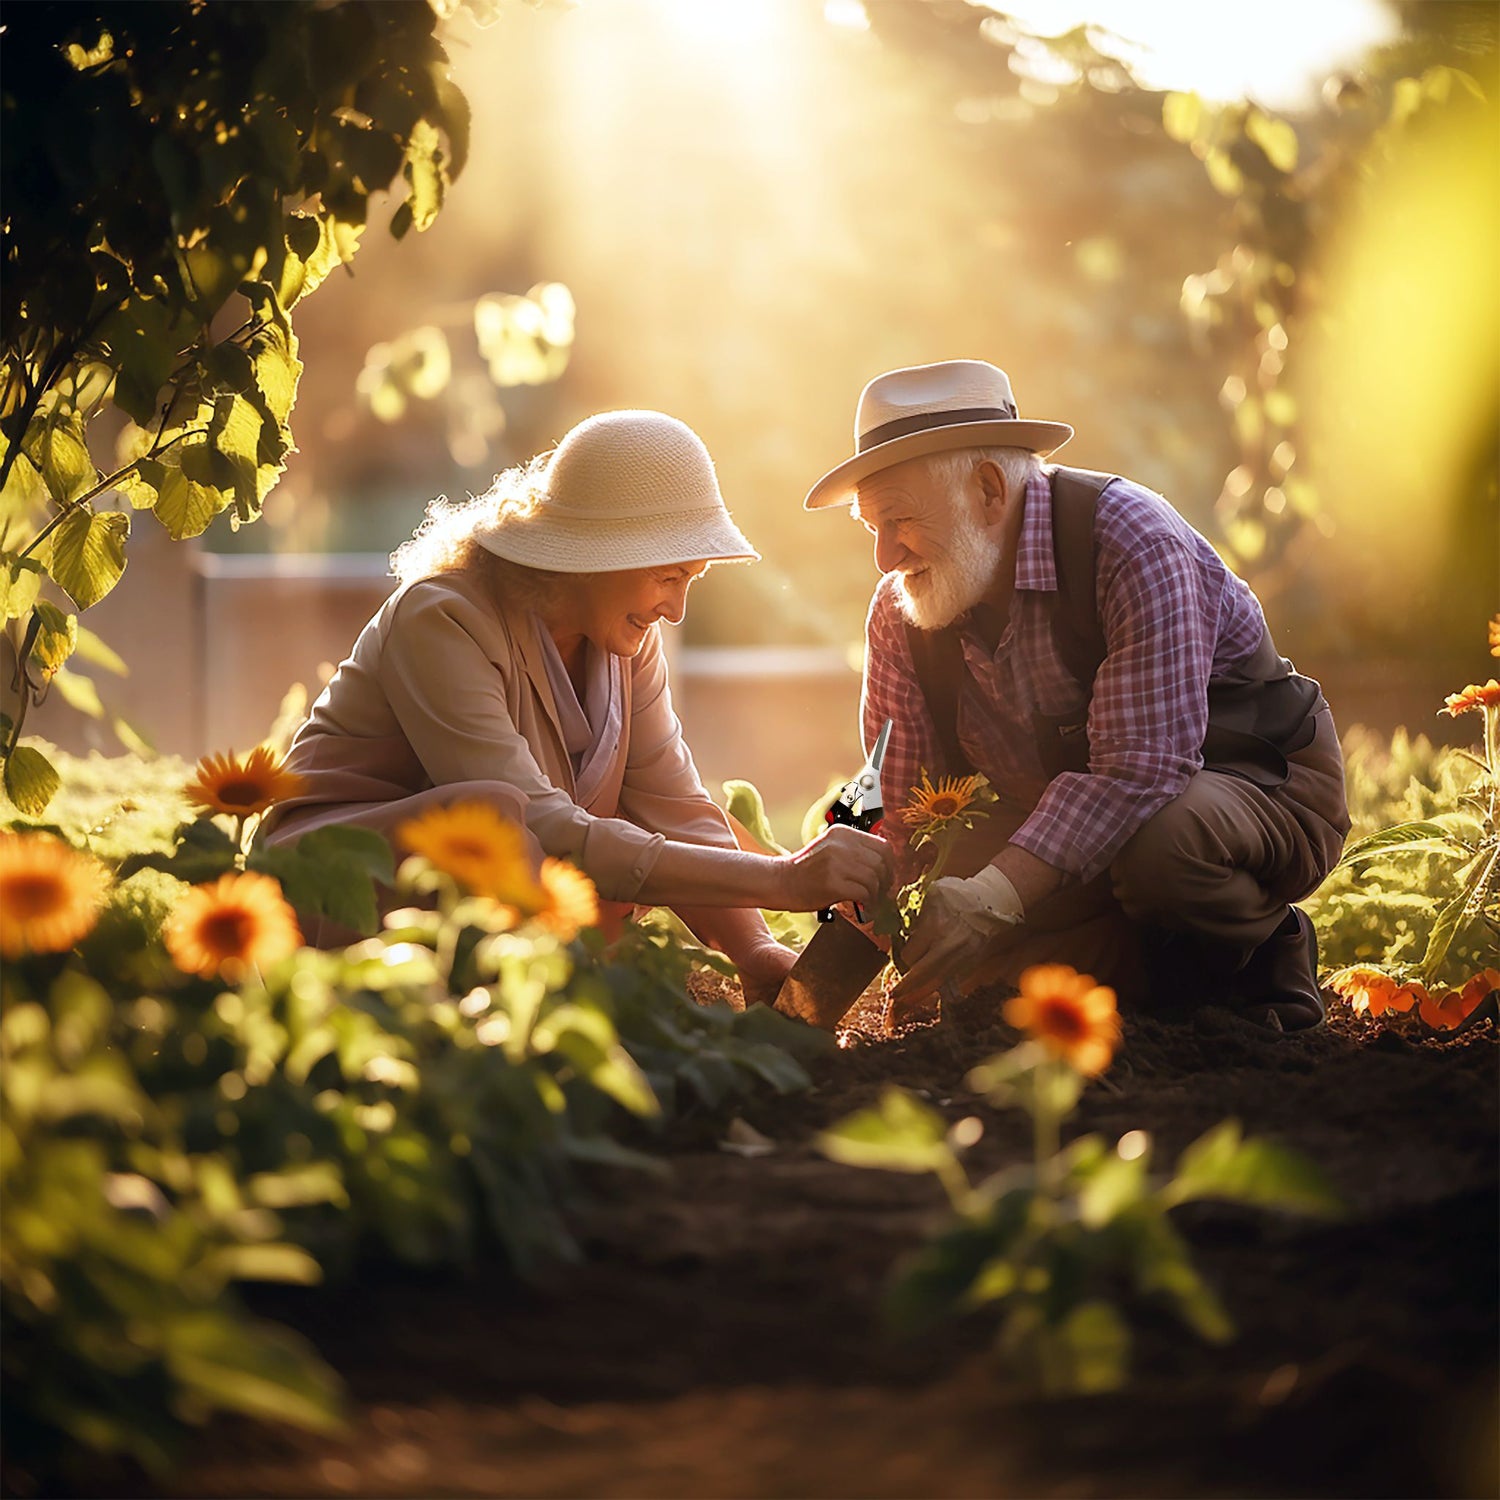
{"x": 177, "y": 176}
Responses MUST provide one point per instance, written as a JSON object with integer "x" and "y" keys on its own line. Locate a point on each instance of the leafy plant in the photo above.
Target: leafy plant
{"x": 190, "y": 1100}
{"x": 1060, "y": 1245}
{"x": 1432, "y": 878}
{"x": 177, "y": 177}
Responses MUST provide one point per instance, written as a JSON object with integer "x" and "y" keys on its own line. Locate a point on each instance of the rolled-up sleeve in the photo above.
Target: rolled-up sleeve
{"x": 449, "y": 697}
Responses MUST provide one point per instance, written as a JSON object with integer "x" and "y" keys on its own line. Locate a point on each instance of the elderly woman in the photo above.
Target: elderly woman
{"x": 519, "y": 662}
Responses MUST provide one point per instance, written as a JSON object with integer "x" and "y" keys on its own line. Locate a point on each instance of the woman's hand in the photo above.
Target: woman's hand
{"x": 840, "y": 865}
{"x": 762, "y": 971}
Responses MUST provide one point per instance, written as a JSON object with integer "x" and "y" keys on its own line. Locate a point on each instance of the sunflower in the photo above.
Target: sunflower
{"x": 227, "y": 784}
{"x": 231, "y": 925}
{"x": 1486, "y": 695}
{"x": 483, "y": 852}
{"x": 571, "y": 902}
{"x": 50, "y": 894}
{"x": 933, "y": 806}
{"x": 1069, "y": 1014}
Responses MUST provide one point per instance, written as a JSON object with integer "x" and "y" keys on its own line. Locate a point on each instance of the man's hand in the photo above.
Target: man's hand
{"x": 960, "y": 920}
{"x": 762, "y": 971}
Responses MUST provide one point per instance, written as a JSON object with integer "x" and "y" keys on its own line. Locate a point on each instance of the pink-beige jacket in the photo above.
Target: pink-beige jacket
{"x": 447, "y": 689}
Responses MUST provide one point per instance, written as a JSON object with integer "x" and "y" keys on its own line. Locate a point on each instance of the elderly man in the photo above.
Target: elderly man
{"x": 1168, "y": 784}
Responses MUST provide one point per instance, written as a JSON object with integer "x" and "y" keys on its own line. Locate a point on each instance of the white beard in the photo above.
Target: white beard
{"x": 936, "y": 597}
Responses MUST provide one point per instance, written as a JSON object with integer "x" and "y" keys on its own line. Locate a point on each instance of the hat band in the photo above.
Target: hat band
{"x": 887, "y": 431}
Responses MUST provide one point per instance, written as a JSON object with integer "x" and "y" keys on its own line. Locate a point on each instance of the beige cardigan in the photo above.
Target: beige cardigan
{"x": 446, "y": 689}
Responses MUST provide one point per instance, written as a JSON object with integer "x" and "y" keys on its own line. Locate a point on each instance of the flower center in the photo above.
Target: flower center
{"x": 467, "y": 848}
{"x": 244, "y": 793}
{"x": 1064, "y": 1020}
{"x": 227, "y": 932}
{"x": 34, "y": 895}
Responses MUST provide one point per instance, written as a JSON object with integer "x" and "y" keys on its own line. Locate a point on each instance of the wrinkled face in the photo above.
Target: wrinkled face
{"x": 945, "y": 558}
{"x": 616, "y": 610}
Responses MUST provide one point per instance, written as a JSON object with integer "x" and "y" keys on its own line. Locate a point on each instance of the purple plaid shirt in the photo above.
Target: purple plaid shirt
{"x": 1173, "y": 615}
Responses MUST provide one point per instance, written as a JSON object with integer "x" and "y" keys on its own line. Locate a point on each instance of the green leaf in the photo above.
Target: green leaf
{"x": 98, "y": 654}
{"x": 1114, "y": 1186}
{"x": 184, "y": 506}
{"x": 1221, "y": 1164}
{"x": 1094, "y": 1341}
{"x": 277, "y": 371}
{"x": 25, "y": 493}
{"x": 146, "y": 339}
{"x": 79, "y": 693}
{"x": 1424, "y": 835}
{"x": 1275, "y": 137}
{"x": 61, "y": 452}
{"x": 331, "y": 872}
{"x": 899, "y": 1135}
{"x": 56, "y": 636}
{"x": 423, "y": 169}
{"x": 1223, "y": 174}
{"x": 743, "y": 802}
{"x": 30, "y": 780}
{"x": 1446, "y": 924}
{"x": 20, "y": 582}
{"x": 257, "y": 1369}
{"x": 1162, "y": 1265}
{"x": 141, "y": 486}
{"x": 1181, "y": 116}
{"x": 284, "y": 1263}
{"x": 296, "y": 1187}
{"x": 88, "y": 554}
{"x": 234, "y": 435}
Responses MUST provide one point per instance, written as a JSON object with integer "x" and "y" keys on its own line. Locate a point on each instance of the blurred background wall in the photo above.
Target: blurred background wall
{"x": 755, "y": 207}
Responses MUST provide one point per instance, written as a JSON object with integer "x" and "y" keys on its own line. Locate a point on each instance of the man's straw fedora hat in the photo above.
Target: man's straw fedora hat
{"x": 625, "y": 489}
{"x": 960, "y": 403}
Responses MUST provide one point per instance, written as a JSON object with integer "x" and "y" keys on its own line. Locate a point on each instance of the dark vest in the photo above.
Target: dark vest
{"x": 1256, "y": 718}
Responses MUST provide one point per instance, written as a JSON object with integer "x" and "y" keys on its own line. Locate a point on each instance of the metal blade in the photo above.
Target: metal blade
{"x": 877, "y": 755}
{"x": 830, "y": 974}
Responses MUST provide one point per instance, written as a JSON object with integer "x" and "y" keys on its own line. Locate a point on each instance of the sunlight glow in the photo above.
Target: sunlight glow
{"x": 1276, "y": 52}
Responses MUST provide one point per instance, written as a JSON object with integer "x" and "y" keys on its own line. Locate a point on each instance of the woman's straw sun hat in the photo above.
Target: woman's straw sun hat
{"x": 625, "y": 489}
{"x": 959, "y": 403}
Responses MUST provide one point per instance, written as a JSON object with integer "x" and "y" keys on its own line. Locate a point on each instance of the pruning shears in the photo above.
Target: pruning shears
{"x": 860, "y": 803}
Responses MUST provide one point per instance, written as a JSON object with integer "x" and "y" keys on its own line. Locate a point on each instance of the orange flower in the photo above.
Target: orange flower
{"x": 572, "y": 902}
{"x": 1365, "y": 989}
{"x": 50, "y": 894}
{"x": 227, "y": 784}
{"x": 931, "y": 806}
{"x": 1070, "y": 1015}
{"x": 1473, "y": 696}
{"x": 483, "y": 852}
{"x": 231, "y": 925}
{"x": 1447, "y": 1009}
{"x": 1495, "y": 635}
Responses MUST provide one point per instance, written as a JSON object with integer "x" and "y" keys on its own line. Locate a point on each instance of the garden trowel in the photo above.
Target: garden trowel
{"x": 832, "y": 972}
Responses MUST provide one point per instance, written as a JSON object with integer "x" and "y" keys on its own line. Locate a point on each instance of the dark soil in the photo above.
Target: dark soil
{"x": 722, "y": 1338}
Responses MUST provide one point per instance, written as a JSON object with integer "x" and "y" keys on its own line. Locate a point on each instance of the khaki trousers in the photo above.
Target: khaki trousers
{"x": 1224, "y": 859}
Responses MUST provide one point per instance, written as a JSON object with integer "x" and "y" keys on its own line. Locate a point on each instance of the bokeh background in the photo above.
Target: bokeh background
{"x": 1248, "y": 251}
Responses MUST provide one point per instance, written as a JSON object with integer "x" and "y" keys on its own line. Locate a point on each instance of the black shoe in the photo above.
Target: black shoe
{"x": 1278, "y": 987}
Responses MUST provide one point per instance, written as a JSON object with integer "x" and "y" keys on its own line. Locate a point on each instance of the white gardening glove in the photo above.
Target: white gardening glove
{"x": 960, "y": 920}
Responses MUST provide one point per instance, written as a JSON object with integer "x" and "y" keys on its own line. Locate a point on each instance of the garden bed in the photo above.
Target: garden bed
{"x": 722, "y": 1338}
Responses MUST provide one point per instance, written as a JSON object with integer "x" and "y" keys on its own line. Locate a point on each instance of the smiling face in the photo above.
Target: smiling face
{"x": 943, "y": 542}
{"x": 617, "y": 610}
